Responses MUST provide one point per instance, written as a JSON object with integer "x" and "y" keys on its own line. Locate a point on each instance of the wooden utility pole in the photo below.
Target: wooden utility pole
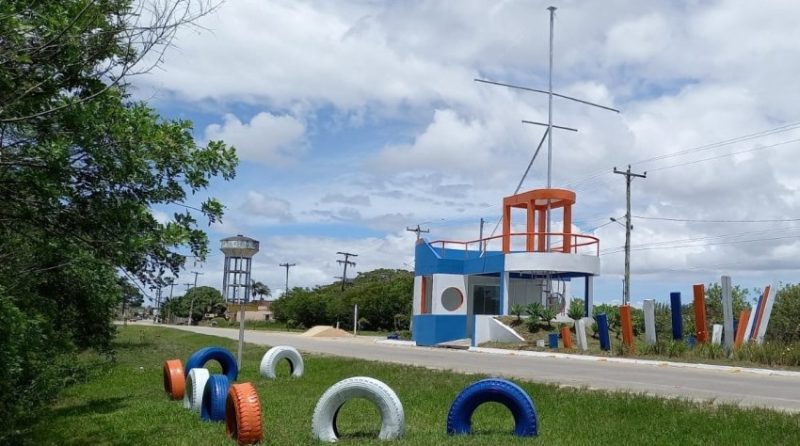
{"x": 287, "y": 265}
{"x": 345, "y": 263}
{"x": 626, "y": 295}
{"x": 418, "y": 230}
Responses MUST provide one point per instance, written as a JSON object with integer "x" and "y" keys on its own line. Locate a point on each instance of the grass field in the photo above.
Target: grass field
{"x": 124, "y": 404}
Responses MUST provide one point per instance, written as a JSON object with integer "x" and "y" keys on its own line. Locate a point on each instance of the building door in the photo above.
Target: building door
{"x": 486, "y": 299}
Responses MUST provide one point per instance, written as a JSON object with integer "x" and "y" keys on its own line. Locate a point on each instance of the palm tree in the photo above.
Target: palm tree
{"x": 517, "y": 311}
{"x": 260, "y": 289}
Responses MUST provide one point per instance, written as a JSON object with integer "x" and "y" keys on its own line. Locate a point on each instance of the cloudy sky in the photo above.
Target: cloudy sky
{"x": 356, "y": 119}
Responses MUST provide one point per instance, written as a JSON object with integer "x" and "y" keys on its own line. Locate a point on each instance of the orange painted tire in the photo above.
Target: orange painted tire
{"x": 174, "y": 380}
{"x": 243, "y": 414}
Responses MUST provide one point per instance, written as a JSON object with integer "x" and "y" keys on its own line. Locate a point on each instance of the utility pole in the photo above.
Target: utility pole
{"x": 188, "y": 285}
{"x": 418, "y": 230}
{"x": 287, "y": 265}
{"x": 195, "y": 277}
{"x": 628, "y": 178}
{"x": 480, "y": 238}
{"x": 347, "y": 261}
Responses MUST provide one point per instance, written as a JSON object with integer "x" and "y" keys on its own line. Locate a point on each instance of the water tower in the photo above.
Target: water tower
{"x": 239, "y": 252}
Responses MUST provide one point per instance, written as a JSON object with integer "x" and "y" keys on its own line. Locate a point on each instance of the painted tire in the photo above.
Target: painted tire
{"x": 219, "y": 354}
{"x": 174, "y": 379}
{"x": 214, "y": 398}
{"x": 195, "y": 386}
{"x": 274, "y": 355}
{"x": 243, "y": 414}
{"x": 459, "y": 419}
{"x": 323, "y": 424}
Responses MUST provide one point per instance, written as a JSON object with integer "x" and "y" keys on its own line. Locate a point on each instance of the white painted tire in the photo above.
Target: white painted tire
{"x": 274, "y": 355}
{"x": 195, "y": 385}
{"x": 393, "y": 425}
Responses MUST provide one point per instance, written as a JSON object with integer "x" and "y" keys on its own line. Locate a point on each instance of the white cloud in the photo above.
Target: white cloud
{"x": 266, "y": 206}
{"x": 684, "y": 74}
{"x": 267, "y": 138}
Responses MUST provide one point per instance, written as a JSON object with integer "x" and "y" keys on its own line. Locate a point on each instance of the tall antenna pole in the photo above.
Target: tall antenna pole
{"x": 287, "y": 265}
{"x": 552, "y": 10}
{"x": 626, "y": 294}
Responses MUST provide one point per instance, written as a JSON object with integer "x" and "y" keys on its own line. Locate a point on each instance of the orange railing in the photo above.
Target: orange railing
{"x": 576, "y": 241}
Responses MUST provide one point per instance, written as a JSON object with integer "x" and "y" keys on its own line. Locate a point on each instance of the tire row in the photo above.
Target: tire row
{"x": 217, "y": 398}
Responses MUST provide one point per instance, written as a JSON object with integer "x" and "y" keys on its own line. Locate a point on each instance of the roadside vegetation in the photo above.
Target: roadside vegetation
{"x": 781, "y": 347}
{"x": 383, "y": 297}
{"x": 124, "y": 404}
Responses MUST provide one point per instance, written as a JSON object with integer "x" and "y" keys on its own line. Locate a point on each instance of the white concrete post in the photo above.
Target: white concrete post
{"x": 727, "y": 312}
{"x": 649, "y": 309}
{"x": 716, "y": 334}
{"x": 580, "y": 330}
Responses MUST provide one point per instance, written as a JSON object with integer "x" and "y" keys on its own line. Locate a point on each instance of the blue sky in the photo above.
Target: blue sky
{"x": 356, "y": 119}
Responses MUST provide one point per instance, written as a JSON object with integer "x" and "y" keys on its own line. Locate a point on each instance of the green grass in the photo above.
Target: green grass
{"x": 124, "y": 404}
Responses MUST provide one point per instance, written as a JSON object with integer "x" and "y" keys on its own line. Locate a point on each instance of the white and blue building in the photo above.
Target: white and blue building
{"x": 460, "y": 287}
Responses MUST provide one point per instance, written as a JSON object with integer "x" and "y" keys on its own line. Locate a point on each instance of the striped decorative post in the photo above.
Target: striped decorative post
{"x": 701, "y": 330}
{"x": 602, "y": 331}
{"x": 677, "y": 318}
{"x": 742, "y": 328}
{"x": 762, "y": 327}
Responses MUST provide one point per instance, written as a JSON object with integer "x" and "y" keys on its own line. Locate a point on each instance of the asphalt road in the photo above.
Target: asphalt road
{"x": 745, "y": 389}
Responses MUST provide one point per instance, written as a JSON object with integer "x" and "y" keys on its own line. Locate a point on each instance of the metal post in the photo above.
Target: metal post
{"x": 355, "y": 319}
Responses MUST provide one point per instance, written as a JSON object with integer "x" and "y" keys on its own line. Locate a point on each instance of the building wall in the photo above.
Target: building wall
{"x": 524, "y": 291}
{"x": 442, "y": 282}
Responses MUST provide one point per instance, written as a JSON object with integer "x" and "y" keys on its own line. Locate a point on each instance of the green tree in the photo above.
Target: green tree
{"x": 261, "y": 290}
{"x": 784, "y": 323}
{"x": 82, "y": 167}
{"x": 201, "y": 301}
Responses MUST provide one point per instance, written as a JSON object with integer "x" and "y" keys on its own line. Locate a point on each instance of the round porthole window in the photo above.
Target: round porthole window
{"x": 452, "y": 299}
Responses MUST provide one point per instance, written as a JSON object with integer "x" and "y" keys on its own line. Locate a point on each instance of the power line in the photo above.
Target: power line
{"x": 701, "y": 245}
{"x": 697, "y": 239}
{"x": 775, "y": 130}
{"x": 699, "y": 220}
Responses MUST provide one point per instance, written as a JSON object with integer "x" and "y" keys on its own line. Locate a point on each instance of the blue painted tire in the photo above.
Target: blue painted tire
{"x": 526, "y": 421}
{"x": 214, "y": 397}
{"x": 219, "y": 354}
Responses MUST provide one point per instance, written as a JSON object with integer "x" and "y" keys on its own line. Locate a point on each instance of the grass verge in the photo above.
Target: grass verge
{"x": 124, "y": 404}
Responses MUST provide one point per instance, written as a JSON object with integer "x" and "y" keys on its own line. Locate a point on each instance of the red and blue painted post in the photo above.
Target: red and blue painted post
{"x": 700, "y": 328}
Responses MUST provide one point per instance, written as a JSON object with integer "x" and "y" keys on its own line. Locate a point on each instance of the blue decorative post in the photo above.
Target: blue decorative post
{"x": 553, "y": 340}
{"x": 602, "y": 328}
{"x": 677, "y": 317}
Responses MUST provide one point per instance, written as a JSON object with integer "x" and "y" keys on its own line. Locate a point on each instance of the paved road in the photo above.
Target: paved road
{"x": 746, "y": 389}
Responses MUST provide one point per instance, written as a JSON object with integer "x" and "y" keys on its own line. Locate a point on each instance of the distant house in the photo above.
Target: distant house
{"x": 260, "y": 310}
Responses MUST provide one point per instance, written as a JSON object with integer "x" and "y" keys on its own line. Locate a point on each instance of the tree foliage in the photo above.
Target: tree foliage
{"x": 200, "y": 301}
{"x": 784, "y": 324}
{"x": 383, "y": 297}
{"x": 81, "y": 168}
